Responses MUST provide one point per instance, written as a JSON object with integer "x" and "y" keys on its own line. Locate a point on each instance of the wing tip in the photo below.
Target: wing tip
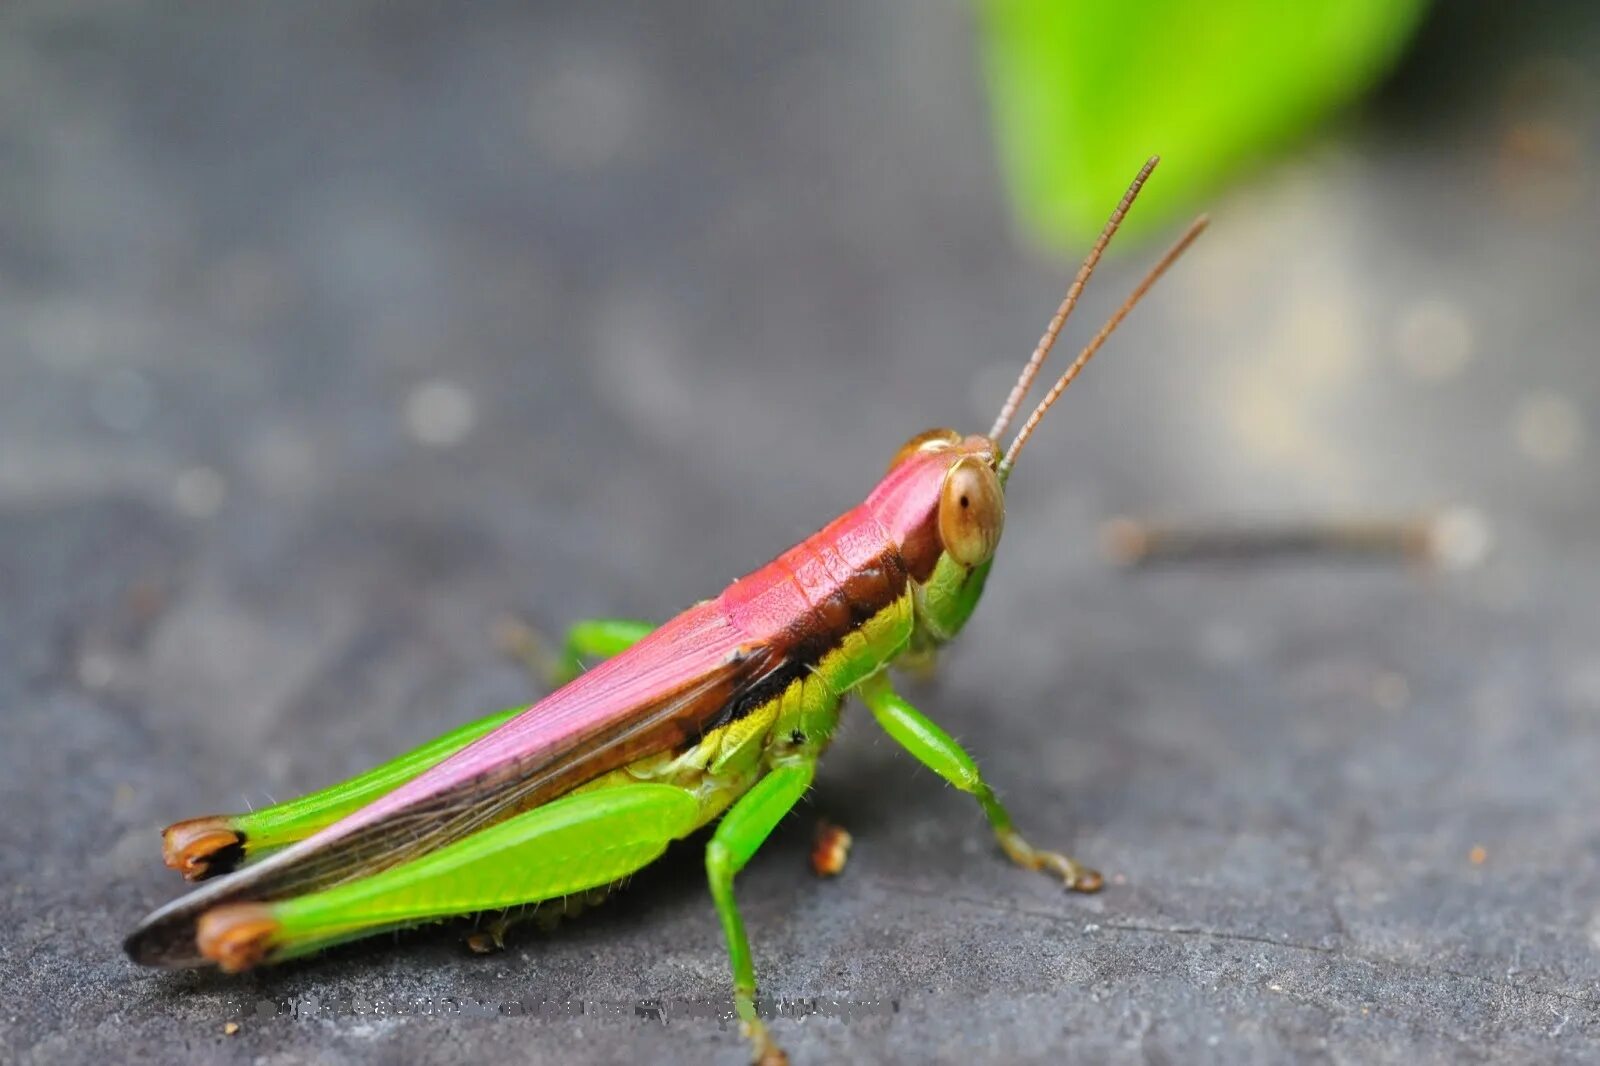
{"x": 162, "y": 943}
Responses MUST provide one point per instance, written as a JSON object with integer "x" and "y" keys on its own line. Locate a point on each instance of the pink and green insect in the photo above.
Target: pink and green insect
{"x": 719, "y": 715}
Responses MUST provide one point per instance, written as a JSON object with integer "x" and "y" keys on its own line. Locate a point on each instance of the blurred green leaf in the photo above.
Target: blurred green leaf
{"x": 1083, "y": 92}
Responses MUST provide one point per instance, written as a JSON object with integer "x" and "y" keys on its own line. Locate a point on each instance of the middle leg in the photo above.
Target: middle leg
{"x": 939, "y": 752}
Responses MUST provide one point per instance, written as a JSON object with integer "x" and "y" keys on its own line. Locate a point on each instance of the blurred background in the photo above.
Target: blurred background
{"x": 330, "y": 334}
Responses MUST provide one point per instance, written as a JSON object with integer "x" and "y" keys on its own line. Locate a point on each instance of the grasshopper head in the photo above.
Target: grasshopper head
{"x": 944, "y": 504}
{"x": 944, "y": 497}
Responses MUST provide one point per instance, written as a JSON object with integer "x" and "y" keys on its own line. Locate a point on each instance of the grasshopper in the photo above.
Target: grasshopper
{"x": 719, "y": 715}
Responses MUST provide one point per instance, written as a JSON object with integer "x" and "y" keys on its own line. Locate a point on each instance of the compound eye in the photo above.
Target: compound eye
{"x": 931, "y": 440}
{"x": 972, "y": 512}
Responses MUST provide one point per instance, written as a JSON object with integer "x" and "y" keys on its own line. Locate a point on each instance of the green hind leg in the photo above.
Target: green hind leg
{"x": 567, "y": 847}
{"x": 739, "y": 835}
{"x": 939, "y": 752}
{"x": 204, "y": 847}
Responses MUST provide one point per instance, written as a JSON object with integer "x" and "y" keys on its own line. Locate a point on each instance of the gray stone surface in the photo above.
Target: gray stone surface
{"x": 326, "y": 338}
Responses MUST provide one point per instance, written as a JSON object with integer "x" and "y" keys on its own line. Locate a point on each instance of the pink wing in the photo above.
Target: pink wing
{"x": 682, "y": 680}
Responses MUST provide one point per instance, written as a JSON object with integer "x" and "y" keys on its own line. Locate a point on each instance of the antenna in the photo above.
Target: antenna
{"x": 1019, "y": 391}
{"x": 1177, "y": 249}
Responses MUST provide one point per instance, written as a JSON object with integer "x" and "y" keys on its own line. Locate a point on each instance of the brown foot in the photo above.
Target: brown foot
{"x": 829, "y": 849}
{"x": 201, "y": 847}
{"x": 488, "y": 940}
{"x": 1073, "y": 874}
{"x": 236, "y": 936}
{"x": 764, "y": 1050}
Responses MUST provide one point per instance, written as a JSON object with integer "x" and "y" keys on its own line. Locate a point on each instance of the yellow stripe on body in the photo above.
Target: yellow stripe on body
{"x": 724, "y": 763}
